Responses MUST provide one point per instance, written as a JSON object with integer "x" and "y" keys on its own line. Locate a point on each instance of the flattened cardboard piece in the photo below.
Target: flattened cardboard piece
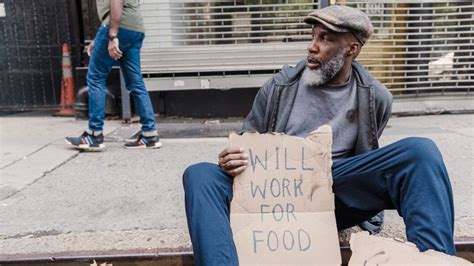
{"x": 282, "y": 211}
{"x": 372, "y": 250}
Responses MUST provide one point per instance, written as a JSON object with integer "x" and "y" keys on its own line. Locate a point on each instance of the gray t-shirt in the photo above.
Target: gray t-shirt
{"x": 334, "y": 105}
{"x": 131, "y": 15}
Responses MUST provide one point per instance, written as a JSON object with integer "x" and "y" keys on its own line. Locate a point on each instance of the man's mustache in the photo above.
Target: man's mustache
{"x": 313, "y": 60}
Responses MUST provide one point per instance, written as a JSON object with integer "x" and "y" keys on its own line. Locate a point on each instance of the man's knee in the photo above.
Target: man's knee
{"x": 422, "y": 153}
{"x": 198, "y": 175}
{"x": 95, "y": 79}
{"x": 421, "y": 150}
{"x": 137, "y": 86}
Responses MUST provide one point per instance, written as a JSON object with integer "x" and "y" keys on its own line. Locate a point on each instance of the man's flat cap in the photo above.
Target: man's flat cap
{"x": 343, "y": 19}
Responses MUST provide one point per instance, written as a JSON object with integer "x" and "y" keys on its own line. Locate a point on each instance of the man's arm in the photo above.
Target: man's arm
{"x": 256, "y": 119}
{"x": 116, "y": 8}
{"x": 385, "y": 117}
{"x": 233, "y": 160}
{"x": 384, "y": 108}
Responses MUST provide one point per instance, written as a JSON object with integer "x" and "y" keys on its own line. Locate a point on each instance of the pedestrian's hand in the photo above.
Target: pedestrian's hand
{"x": 233, "y": 160}
{"x": 114, "y": 50}
{"x": 89, "y": 48}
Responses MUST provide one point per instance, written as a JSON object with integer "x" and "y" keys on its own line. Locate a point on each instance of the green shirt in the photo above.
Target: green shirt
{"x": 131, "y": 16}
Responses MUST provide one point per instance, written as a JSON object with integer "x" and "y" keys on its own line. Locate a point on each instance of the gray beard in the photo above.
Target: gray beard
{"x": 325, "y": 72}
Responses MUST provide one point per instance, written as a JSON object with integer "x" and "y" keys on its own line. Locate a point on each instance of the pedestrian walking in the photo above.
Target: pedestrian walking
{"x": 118, "y": 40}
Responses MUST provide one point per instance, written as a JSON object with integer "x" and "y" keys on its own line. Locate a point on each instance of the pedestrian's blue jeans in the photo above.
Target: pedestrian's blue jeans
{"x": 408, "y": 175}
{"x": 100, "y": 65}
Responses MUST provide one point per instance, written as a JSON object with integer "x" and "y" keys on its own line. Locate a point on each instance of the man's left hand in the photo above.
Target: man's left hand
{"x": 114, "y": 50}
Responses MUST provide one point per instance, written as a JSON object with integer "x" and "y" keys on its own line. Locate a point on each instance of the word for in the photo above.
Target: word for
{"x": 278, "y": 212}
{"x": 286, "y": 240}
{"x": 258, "y": 160}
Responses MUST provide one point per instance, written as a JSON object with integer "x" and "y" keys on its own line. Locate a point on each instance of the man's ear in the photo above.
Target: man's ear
{"x": 354, "y": 49}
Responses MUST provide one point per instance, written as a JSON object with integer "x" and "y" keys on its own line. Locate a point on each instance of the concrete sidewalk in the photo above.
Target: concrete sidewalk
{"x": 34, "y": 146}
{"x": 59, "y": 201}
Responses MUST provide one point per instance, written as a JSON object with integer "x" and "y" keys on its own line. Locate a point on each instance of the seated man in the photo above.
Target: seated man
{"x": 329, "y": 87}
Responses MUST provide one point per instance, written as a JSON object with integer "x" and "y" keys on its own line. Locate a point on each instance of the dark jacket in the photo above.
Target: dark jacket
{"x": 274, "y": 101}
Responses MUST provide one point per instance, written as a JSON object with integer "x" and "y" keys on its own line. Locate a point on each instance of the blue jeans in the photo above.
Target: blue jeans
{"x": 99, "y": 69}
{"x": 408, "y": 175}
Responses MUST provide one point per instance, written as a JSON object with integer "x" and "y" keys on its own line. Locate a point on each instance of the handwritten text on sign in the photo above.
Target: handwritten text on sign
{"x": 279, "y": 197}
{"x": 278, "y": 188}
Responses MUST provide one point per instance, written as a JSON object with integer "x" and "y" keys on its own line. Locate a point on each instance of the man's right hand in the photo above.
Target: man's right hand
{"x": 89, "y": 48}
{"x": 233, "y": 160}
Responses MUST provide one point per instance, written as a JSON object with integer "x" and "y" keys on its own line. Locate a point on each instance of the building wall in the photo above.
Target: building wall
{"x": 422, "y": 47}
{"x": 31, "y": 36}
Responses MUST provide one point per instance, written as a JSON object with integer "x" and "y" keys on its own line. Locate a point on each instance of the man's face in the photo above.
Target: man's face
{"x": 326, "y": 56}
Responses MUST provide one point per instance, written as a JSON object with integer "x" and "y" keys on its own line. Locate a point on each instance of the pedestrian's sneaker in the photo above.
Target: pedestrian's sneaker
{"x": 143, "y": 142}
{"x": 87, "y": 142}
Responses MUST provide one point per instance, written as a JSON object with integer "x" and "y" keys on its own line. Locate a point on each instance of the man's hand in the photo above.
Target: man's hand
{"x": 89, "y": 48}
{"x": 116, "y": 10}
{"x": 233, "y": 160}
{"x": 114, "y": 50}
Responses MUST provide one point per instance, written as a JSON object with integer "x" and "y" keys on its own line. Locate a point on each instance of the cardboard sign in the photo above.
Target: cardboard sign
{"x": 282, "y": 212}
{"x": 372, "y": 250}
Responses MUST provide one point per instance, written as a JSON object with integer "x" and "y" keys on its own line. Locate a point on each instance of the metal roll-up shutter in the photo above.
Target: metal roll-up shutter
{"x": 230, "y": 39}
{"x": 420, "y": 47}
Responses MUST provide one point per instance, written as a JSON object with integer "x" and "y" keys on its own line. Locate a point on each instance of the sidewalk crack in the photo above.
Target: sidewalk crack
{"x": 26, "y": 156}
{"x": 455, "y": 132}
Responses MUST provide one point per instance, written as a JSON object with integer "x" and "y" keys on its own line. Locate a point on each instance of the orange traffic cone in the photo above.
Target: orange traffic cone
{"x": 67, "y": 86}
